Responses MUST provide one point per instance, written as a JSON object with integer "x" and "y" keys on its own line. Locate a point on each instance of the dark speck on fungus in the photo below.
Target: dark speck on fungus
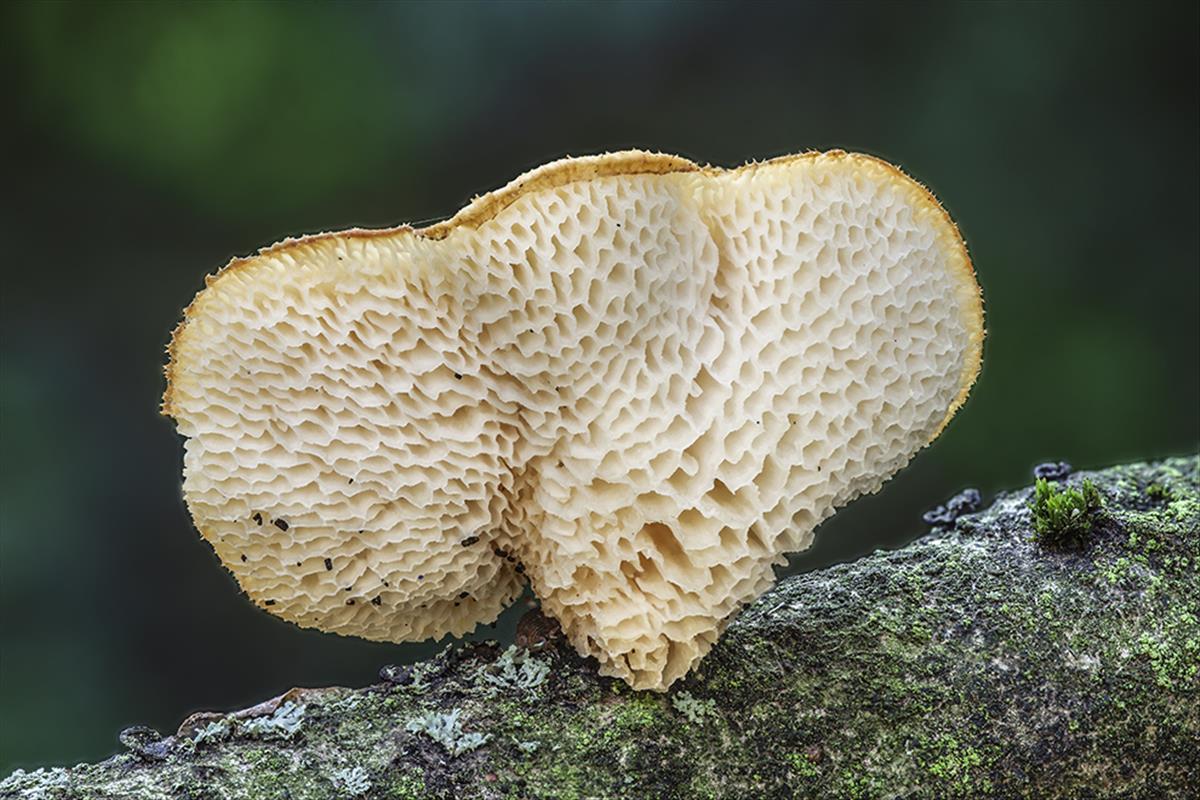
{"x": 257, "y": 518}
{"x": 281, "y": 524}
{"x": 470, "y": 540}
{"x": 329, "y": 563}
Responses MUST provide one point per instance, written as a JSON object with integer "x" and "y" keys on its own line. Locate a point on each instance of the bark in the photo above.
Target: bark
{"x": 974, "y": 662}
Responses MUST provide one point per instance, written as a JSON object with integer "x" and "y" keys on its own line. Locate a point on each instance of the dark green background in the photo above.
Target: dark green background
{"x": 145, "y": 145}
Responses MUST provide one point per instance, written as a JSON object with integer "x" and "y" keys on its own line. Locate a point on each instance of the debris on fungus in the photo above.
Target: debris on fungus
{"x": 1063, "y": 517}
{"x": 631, "y": 381}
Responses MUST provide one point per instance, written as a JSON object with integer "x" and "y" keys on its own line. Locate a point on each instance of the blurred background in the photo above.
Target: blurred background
{"x": 147, "y": 144}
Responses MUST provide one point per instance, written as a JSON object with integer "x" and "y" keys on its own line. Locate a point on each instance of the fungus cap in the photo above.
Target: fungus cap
{"x": 634, "y": 382}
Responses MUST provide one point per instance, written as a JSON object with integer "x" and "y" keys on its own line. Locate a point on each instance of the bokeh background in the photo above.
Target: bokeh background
{"x": 144, "y": 145}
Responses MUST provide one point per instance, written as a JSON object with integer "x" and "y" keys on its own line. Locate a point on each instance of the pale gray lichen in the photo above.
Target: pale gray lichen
{"x": 695, "y": 710}
{"x": 421, "y": 673}
{"x": 283, "y": 724}
{"x": 212, "y": 732}
{"x": 343, "y": 705}
{"x": 446, "y": 730}
{"x": 527, "y": 747}
{"x": 351, "y": 781}
{"x": 515, "y": 671}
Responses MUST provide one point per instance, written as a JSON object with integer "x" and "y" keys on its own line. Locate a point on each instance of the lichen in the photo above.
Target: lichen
{"x": 695, "y": 710}
{"x": 959, "y": 768}
{"x": 284, "y": 723}
{"x": 1173, "y": 650}
{"x": 212, "y": 732}
{"x": 514, "y": 671}
{"x": 420, "y": 674}
{"x": 446, "y": 730}
{"x": 351, "y": 781}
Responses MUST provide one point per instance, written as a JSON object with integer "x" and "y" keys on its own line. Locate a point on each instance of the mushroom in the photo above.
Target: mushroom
{"x": 632, "y": 381}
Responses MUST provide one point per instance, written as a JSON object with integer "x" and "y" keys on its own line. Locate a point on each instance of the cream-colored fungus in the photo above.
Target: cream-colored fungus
{"x": 632, "y": 381}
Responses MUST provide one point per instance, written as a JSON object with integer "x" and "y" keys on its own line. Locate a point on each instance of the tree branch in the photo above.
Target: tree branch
{"x": 973, "y": 663}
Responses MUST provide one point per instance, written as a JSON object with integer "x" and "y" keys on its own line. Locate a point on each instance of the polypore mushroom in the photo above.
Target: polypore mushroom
{"x": 629, "y": 380}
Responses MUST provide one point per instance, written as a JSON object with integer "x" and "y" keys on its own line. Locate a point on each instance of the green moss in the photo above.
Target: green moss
{"x": 856, "y": 786}
{"x": 405, "y": 785}
{"x": 641, "y": 710}
{"x": 1063, "y": 517}
{"x": 802, "y": 766}
{"x": 267, "y": 773}
{"x": 1184, "y": 509}
{"x": 1173, "y": 651}
{"x": 958, "y": 767}
{"x": 1156, "y": 491}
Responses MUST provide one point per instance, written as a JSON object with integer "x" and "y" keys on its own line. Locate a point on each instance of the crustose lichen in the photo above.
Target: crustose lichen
{"x": 1063, "y": 517}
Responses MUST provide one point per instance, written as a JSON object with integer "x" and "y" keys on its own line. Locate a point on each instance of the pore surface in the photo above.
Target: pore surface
{"x": 635, "y": 387}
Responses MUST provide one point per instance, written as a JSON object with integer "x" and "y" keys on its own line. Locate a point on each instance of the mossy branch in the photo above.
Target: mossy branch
{"x": 975, "y": 662}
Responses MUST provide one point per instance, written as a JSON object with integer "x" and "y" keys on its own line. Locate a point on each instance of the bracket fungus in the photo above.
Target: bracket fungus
{"x": 629, "y": 380}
